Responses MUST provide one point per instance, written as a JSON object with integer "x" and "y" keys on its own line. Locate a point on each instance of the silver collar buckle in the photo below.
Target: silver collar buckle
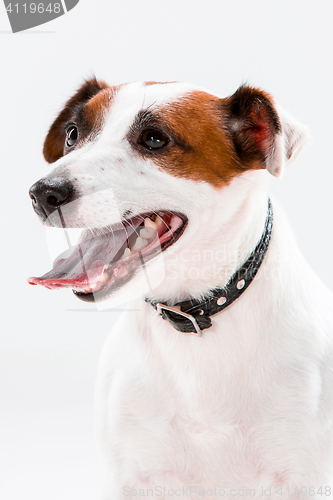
{"x": 176, "y": 309}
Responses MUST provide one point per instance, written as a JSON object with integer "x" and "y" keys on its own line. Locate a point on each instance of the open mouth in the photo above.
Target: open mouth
{"x": 107, "y": 258}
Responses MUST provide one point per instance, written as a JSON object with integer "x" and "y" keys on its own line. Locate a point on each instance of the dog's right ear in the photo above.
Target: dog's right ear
{"x": 54, "y": 143}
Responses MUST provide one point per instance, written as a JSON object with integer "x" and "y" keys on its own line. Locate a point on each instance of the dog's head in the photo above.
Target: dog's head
{"x": 150, "y": 167}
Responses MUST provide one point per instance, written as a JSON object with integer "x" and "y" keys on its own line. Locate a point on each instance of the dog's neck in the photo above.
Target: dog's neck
{"x": 221, "y": 247}
{"x": 193, "y": 316}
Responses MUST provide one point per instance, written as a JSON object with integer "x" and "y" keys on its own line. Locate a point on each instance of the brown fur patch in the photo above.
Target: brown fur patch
{"x": 156, "y": 83}
{"x": 204, "y": 151}
{"x": 86, "y": 107}
{"x": 212, "y": 139}
{"x": 90, "y": 117}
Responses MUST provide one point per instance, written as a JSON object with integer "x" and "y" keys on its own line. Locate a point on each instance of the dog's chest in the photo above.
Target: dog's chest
{"x": 165, "y": 431}
{"x": 188, "y": 412}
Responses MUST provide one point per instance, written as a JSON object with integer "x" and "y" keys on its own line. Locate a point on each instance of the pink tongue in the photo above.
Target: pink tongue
{"x": 88, "y": 260}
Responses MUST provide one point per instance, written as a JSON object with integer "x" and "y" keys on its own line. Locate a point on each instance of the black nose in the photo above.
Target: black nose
{"x": 49, "y": 194}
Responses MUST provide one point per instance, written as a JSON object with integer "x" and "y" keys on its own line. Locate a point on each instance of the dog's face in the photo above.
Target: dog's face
{"x": 151, "y": 167}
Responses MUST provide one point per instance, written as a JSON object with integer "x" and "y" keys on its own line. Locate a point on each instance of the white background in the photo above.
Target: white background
{"x": 50, "y": 342}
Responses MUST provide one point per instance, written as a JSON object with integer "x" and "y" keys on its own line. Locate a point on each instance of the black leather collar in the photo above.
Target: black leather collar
{"x": 193, "y": 316}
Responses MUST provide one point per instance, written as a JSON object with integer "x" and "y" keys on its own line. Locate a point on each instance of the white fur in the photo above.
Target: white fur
{"x": 249, "y": 404}
{"x": 288, "y": 145}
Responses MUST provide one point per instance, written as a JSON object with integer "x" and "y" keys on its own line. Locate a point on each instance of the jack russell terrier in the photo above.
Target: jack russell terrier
{"x": 219, "y": 383}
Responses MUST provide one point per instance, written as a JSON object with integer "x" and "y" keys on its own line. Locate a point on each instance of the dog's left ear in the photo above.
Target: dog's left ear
{"x": 263, "y": 135}
{"x": 54, "y": 143}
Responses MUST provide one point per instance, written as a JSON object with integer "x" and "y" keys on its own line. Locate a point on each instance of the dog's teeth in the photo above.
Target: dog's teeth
{"x": 147, "y": 232}
{"x": 140, "y": 243}
{"x": 158, "y": 221}
{"x": 150, "y": 224}
{"x": 104, "y": 277}
{"x": 85, "y": 288}
{"x": 127, "y": 253}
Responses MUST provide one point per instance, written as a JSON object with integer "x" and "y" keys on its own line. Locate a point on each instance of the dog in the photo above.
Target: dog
{"x": 219, "y": 381}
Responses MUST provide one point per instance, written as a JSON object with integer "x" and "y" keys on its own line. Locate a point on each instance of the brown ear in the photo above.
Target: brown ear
{"x": 254, "y": 124}
{"x": 54, "y": 143}
{"x": 264, "y": 135}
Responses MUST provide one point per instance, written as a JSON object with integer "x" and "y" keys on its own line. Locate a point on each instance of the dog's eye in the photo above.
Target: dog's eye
{"x": 71, "y": 136}
{"x": 153, "y": 139}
